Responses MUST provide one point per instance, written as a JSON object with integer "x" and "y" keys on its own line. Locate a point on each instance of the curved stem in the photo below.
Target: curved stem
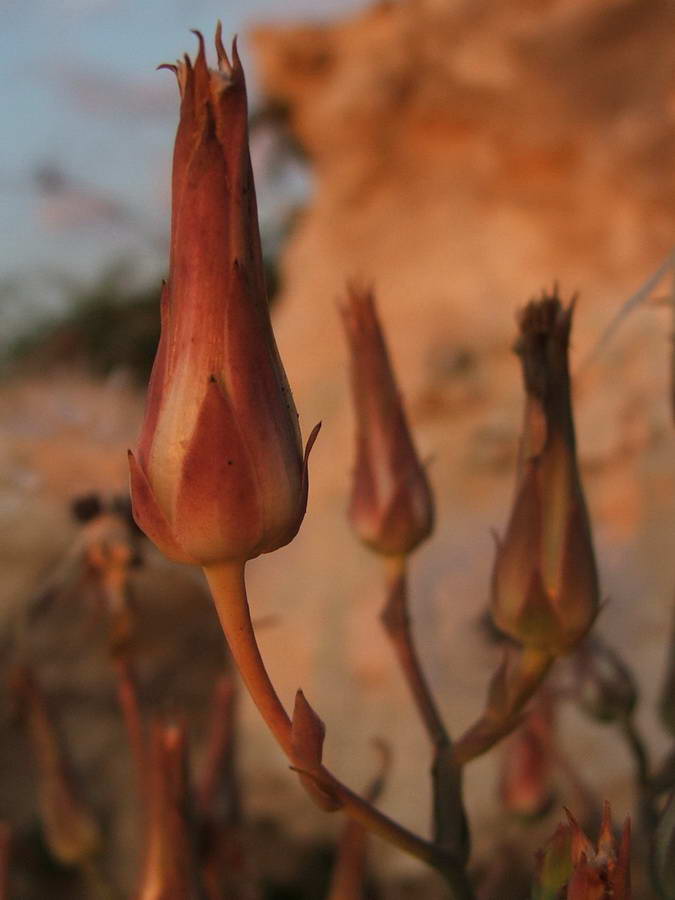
{"x": 127, "y": 695}
{"x": 509, "y": 691}
{"x": 228, "y": 588}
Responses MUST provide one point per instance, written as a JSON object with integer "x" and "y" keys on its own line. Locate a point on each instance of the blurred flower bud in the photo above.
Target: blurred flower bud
{"x": 219, "y": 473}
{"x": 553, "y": 865}
{"x": 600, "y": 872}
{"x": 527, "y": 762}
{"x": 544, "y": 583}
{"x": 604, "y": 686}
{"x": 391, "y": 507}
{"x": 69, "y": 830}
{"x": 170, "y": 868}
{"x": 586, "y": 883}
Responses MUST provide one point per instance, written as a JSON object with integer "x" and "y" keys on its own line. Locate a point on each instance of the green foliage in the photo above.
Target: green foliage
{"x": 110, "y": 323}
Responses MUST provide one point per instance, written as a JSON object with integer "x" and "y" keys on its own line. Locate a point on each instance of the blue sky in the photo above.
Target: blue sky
{"x": 80, "y": 101}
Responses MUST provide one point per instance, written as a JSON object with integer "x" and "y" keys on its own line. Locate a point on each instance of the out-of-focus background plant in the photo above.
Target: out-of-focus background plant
{"x": 459, "y": 156}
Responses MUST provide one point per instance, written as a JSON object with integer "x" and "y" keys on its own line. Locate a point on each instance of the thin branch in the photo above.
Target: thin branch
{"x": 647, "y": 809}
{"x": 349, "y": 872}
{"x": 127, "y": 695}
{"x": 511, "y": 688}
{"x": 229, "y": 593}
{"x": 218, "y": 767}
{"x": 450, "y": 824}
{"x": 395, "y": 618}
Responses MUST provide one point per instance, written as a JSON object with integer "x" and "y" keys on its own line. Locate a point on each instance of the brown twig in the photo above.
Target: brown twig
{"x": 395, "y": 618}
{"x": 127, "y": 695}
{"x": 229, "y": 593}
{"x": 219, "y": 750}
{"x": 225, "y": 862}
{"x": 450, "y": 826}
{"x": 646, "y": 796}
{"x": 511, "y": 688}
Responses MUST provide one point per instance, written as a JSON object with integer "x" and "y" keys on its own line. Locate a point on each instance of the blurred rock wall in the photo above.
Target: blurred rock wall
{"x": 464, "y": 156}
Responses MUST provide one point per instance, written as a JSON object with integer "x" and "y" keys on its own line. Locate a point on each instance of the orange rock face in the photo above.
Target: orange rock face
{"x": 464, "y": 156}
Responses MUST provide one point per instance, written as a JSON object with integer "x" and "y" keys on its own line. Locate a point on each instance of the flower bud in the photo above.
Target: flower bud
{"x": 602, "y": 871}
{"x": 527, "y": 762}
{"x": 589, "y": 872}
{"x": 70, "y": 831}
{"x": 391, "y": 507}
{"x": 170, "y": 869}
{"x": 553, "y": 865}
{"x": 219, "y": 474}
{"x": 544, "y": 583}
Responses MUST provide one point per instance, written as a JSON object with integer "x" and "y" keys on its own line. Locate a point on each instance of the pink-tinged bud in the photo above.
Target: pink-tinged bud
{"x": 170, "y": 868}
{"x": 553, "y": 865}
{"x": 219, "y": 474}
{"x": 544, "y": 583}
{"x": 600, "y": 872}
{"x": 70, "y": 831}
{"x": 586, "y": 883}
{"x": 391, "y": 506}
{"x": 527, "y": 762}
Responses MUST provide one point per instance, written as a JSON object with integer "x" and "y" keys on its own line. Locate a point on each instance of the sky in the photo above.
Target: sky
{"x": 88, "y": 127}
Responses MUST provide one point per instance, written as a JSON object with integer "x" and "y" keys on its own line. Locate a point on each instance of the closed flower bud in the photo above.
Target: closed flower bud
{"x": 603, "y": 871}
{"x": 391, "y": 507}
{"x": 553, "y": 865}
{"x": 571, "y": 862}
{"x": 218, "y": 475}
{"x": 170, "y": 870}
{"x": 526, "y": 786}
{"x": 69, "y": 829}
{"x": 544, "y": 583}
